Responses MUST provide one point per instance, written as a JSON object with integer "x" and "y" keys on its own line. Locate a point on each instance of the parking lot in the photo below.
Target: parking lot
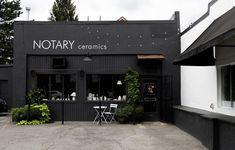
{"x": 89, "y": 136}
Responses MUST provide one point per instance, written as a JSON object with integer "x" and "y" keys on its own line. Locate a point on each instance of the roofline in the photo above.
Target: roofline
{"x": 204, "y": 16}
{"x": 187, "y": 54}
{"x": 173, "y": 19}
{"x": 96, "y": 22}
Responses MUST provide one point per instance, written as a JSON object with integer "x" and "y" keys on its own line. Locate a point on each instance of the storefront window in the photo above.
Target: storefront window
{"x": 227, "y": 77}
{"x": 106, "y": 88}
{"x": 58, "y": 86}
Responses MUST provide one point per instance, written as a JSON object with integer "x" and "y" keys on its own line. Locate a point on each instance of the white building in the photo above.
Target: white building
{"x": 207, "y": 59}
{"x": 201, "y": 86}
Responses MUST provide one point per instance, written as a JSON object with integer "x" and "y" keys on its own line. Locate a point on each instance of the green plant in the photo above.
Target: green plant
{"x": 9, "y": 10}
{"x": 133, "y": 87}
{"x": 139, "y": 113}
{"x": 44, "y": 111}
{"x": 35, "y": 96}
{"x": 38, "y": 114}
{"x": 130, "y": 111}
{"x": 19, "y": 114}
{"x": 33, "y": 122}
{"x": 38, "y": 111}
{"x": 63, "y": 10}
{"x": 124, "y": 114}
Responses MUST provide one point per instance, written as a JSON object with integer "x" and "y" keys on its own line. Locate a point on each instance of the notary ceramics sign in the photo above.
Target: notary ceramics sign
{"x": 66, "y": 45}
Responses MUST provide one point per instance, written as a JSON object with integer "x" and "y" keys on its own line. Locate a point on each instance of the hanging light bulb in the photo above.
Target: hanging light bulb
{"x": 119, "y": 82}
{"x": 87, "y": 58}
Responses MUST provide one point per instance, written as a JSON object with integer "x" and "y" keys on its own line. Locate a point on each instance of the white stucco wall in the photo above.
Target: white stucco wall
{"x": 199, "y": 84}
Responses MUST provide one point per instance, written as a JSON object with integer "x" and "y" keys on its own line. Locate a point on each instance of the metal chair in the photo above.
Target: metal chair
{"x": 111, "y": 113}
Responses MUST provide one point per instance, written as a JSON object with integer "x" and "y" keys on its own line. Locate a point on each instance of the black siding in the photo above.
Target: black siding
{"x": 81, "y": 109}
{"x": 6, "y": 83}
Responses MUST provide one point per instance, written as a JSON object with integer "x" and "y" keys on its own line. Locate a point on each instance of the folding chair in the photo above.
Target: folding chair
{"x": 111, "y": 113}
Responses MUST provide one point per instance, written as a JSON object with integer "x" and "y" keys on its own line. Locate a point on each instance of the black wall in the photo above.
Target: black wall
{"x": 215, "y": 131}
{"x": 6, "y": 83}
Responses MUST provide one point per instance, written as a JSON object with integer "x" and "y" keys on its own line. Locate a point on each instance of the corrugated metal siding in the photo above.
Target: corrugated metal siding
{"x": 99, "y": 64}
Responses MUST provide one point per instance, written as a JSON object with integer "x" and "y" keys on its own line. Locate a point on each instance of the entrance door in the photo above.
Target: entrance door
{"x": 151, "y": 98}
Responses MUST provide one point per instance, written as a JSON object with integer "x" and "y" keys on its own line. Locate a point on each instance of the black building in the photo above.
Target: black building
{"x": 82, "y": 62}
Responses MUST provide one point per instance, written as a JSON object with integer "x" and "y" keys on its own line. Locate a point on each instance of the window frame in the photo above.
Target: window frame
{"x": 223, "y": 103}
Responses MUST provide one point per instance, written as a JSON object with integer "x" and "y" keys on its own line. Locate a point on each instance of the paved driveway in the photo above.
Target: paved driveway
{"x": 88, "y": 136}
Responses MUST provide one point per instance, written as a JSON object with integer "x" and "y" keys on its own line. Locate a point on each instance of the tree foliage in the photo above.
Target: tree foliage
{"x": 63, "y": 10}
{"x": 133, "y": 87}
{"x": 9, "y": 10}
{"x": 132, "y": 110}
{"x": 35, "y": 96}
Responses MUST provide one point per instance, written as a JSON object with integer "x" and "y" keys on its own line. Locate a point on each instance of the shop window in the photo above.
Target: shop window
{"x": 227, "y": 85}
{"x": 58, "y": 87}
{"x": 106, "y": 88}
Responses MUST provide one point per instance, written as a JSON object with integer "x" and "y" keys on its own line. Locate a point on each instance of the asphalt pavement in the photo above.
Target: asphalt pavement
{"x": 88, "y": 136}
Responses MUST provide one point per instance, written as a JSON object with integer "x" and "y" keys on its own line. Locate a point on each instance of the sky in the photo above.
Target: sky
{"x": 190, "y": 10}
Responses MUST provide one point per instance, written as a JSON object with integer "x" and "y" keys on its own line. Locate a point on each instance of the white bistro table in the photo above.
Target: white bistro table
{"x": 103, "y": 108}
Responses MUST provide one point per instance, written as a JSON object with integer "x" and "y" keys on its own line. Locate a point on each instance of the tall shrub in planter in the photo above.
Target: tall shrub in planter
{"x": 132, "y": 80}
{"x": 129, "y": 111}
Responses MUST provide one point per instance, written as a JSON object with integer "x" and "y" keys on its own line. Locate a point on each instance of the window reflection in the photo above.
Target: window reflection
{"x": 58, "y": 86}
{"x": 106, "y": 88}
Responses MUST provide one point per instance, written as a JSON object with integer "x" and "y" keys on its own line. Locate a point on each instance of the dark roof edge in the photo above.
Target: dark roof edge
{"x": 96, "y": 22}
{"x": 173, "y": 19}
{"x": 213, "y": 42}
{"x": 201, "y": 18}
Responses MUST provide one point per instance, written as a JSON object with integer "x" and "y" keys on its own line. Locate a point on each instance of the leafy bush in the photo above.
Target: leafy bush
{"x": 124, "y": 114}
{"x": 44, "y": 112}
{"x": 38, "y": 114}
{"x": 139, "y": 113}
{"x": 19, "y": 114}
{"x": 130, "y": 111}
{"x": 33, "y": 122}
{"x": 35, "y": 96}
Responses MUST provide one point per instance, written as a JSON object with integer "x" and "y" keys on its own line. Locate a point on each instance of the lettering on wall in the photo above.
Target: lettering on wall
{"x": 66, "y": 45}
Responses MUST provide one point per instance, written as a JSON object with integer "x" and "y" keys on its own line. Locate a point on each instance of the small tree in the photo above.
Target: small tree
{"x": 63, "y": 10}
{"x": 9, "y": 10}
{"x": 35, "y": 96}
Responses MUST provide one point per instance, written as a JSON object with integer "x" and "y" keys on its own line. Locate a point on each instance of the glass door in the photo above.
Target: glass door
{"x": 150, "y": 95}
